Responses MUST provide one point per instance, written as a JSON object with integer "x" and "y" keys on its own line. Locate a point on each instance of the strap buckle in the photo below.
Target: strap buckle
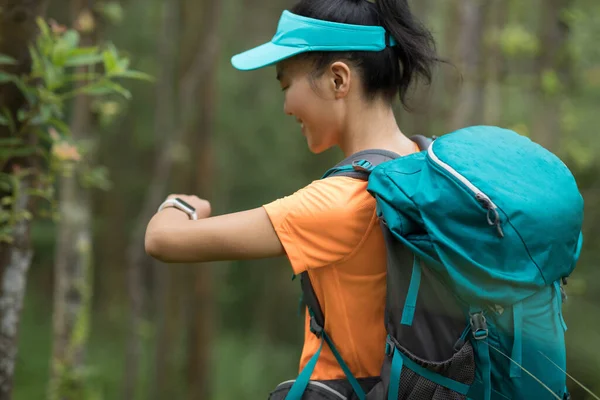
{"x": 389, "y": 346}
{"x": 479, "y": 326}
{"x": 362, "y": 165}
{"x": 315, "y": 328}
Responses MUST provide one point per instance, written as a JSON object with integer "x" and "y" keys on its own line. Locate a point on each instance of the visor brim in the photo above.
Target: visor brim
{"x": 264, "y": 55}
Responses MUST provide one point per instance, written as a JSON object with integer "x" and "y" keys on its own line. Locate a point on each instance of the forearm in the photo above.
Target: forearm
{"x": 161, "y": 232}
{"x": 171, "y": 237}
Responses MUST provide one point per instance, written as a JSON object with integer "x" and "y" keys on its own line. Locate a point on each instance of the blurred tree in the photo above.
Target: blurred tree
{"x": 451, "y": 78}
{"x": 553, "y": 72}
{"x": 168, "y": 138}
{"x": 201, "y": 57}
{"x": 495, "y": 65}
{"x": 469, "y": 105}
{"x": 421, "y": 104}
{"x": 73, "y": 268}
{"x": 17, "y": 31}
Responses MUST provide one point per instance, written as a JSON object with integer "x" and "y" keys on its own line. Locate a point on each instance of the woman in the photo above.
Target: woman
{"x": 341, "y": 64}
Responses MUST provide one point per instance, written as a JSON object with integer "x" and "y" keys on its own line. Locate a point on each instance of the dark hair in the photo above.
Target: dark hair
{"x": 389, "y": 72}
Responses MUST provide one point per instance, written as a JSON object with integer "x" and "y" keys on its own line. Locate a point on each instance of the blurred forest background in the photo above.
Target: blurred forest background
{"x": 231, "y": 330}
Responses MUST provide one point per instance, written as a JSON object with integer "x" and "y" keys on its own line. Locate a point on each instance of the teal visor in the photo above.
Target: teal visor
{"x": 296, "y": 34}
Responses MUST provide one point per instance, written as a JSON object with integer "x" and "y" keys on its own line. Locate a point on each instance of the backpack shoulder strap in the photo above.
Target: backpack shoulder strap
{"x": 360, "y": 164}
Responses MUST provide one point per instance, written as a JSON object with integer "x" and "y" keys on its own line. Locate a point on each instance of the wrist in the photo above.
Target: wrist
{"x": 179, "y": 205}
{"x": 173, "y": 213}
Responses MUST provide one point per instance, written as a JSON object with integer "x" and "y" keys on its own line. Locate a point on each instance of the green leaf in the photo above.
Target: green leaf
{"x": 86, "y": 76}
{"x": 134, "y": 75}
{"x": 8, "y": 119}
{"x": 60, "y": 126}
{"x": 6, "y": 154}
{"x": 43, "y": 116}
{"x": 4, "y": 77}
{"x": 48, "y": 97}
{"x": 80, "y": 51}
{"x": 112, "y": 11}
{"x": 78, "y": 60}
{"x": 123, "y": 64}
{"x": 71, "y": 38}
{"x": 24, "y": 215}
{"x": 96, "y": 178}
{"x": 44, "y": 28}
{"x": 44, "y": 194}
{"x": 110, "y": 58}
{"x": 11, "y": 141}
{"x": 37, "y": 67}
{"x": 516, "y": 40}
{"x": 6, "y": 234}
{"x": 106, "y": 87}
{"x": 22, "y": 115}
{"x": 550, "y": 82}
{"x": 4, "y": 59}
{"x": 53, "y": 75}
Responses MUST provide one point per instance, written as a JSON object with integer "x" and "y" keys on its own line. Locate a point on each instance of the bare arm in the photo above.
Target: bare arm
{"x": 173, "y": 238}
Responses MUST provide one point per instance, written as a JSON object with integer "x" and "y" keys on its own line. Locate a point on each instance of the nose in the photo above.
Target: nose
{"x": 286, "y": 108}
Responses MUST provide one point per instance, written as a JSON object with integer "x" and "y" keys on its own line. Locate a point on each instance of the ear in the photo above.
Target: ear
{"x": 340, "y": 79}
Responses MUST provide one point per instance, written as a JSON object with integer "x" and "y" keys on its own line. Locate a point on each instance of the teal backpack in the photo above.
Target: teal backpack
{"x": 482, "y": 228}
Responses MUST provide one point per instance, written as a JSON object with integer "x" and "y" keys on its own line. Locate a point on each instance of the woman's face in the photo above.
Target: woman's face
{"x": 313, "y": 102}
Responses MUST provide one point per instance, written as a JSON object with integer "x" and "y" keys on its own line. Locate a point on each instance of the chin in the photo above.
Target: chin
{"x": 318, "y": 149}
{"x": 319, "y": 146}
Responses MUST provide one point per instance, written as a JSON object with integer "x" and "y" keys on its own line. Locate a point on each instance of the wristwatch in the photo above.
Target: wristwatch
{"x": 180, "y": 205}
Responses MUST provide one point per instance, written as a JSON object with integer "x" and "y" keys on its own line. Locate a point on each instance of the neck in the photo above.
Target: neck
{"x": 373, "y": 127}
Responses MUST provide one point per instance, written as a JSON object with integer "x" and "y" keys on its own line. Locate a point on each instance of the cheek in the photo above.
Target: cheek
{"x": 319, "y": 115}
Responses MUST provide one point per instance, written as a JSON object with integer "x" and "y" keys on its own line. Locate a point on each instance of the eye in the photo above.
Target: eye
{"x": 283, "y": 89}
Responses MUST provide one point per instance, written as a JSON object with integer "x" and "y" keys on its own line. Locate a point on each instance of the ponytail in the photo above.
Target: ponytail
{"x": 416, "y": 46}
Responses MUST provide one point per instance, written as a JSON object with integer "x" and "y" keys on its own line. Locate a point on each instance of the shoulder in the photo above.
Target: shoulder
{"x": 333, "y": 197}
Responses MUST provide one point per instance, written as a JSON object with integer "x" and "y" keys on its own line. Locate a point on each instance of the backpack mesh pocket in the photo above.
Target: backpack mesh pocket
{"x": 413, "y": 386}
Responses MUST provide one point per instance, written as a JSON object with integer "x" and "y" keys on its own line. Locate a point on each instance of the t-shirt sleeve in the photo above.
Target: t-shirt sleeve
{"x": 322, "y": 223}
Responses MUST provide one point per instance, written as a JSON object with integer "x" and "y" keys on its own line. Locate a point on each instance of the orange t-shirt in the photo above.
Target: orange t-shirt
{"x": 330, "y": 229}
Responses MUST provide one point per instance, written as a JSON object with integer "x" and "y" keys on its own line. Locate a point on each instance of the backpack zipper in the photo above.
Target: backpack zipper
{"x": 320, "y": 385}
{"x": 493, "y": 218}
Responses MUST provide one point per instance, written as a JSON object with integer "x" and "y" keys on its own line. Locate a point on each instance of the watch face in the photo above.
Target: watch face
{"x": 184, "y": 204}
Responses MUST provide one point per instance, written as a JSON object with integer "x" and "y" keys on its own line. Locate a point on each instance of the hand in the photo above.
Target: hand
{"x": 202, "y": 206}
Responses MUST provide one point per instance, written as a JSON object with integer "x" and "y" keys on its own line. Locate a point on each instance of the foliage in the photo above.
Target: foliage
{"x": 61, "y": 70}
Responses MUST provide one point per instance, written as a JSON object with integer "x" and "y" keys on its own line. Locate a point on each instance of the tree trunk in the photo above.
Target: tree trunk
{"x": 421, "y": 99}
{"x": 198, "y": 117}
{"x": 136, "y": 257}
{"x": 553, "y": 69}
{"x": 495, "y": 63}
{"x": 470, "y": 98}
{"x": 17, "y": 30}
{"x": 450, "y": 74}
{"x": 74, "y": 259}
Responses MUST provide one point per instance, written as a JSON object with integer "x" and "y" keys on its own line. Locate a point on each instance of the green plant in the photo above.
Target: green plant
{"x": 61, "y": 70}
